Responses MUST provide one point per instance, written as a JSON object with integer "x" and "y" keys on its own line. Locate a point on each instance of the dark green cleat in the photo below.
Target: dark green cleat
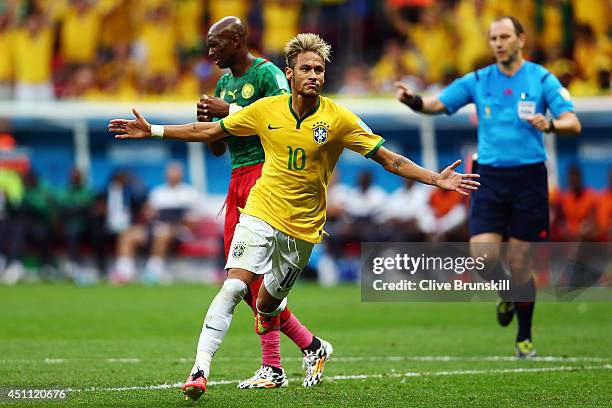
{"x": 505, "y": 313}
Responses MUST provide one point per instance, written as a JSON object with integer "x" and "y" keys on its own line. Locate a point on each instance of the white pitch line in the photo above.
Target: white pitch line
{"x": 367, "y": 376}
{"x": 123, "y": 360}
{"x": 339, "y": 359}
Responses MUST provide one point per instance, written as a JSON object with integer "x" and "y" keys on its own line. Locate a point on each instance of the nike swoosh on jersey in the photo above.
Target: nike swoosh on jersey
{"x": 273, "y": 127}
{"x": 212, "y": 328}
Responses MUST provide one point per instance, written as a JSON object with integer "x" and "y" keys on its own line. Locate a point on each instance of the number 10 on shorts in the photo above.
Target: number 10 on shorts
{"x": 290, "y": 278}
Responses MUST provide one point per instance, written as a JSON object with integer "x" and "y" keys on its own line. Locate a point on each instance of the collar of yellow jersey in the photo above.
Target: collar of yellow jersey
{"x": 295, "y": 115}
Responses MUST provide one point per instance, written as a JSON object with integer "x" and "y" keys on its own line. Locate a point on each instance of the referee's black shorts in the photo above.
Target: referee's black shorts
{"x": 511, "y": 201}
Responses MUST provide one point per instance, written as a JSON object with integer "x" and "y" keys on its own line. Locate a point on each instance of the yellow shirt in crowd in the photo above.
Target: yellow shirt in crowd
{"x": 596, "y": 13}
{"x": 188, "y": 22}
{"x": 6, "y": 53}
{"x": 301, "y": 155}
{"x": 159, "y": 40}
{"x": 118, "y": 27}
{"x": 281, "y": 22}
{"x": 223, "y": 8}
{"x": 33, "y": 55}
{"x": 80, "y": 36}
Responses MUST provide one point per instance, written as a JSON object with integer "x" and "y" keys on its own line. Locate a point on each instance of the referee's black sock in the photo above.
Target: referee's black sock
{"x": 524, "y": 309}
{"x": 494, "y": 271}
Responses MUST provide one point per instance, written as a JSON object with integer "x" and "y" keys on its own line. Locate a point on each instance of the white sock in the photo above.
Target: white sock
{"x": 155, "y": 266}
{"x": 126, "y": 266}
{"x": 217, "y": 322}
{"x": 276, "y": 311}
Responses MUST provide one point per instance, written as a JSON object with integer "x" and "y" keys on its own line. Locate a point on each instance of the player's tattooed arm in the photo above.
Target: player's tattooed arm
{"x": 397, "y": 164}
{"x": 448, "y": 179}
{"x": 400, "y": 165}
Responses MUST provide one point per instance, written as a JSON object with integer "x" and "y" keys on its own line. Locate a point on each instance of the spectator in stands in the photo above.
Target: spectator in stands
{"x": 450, "y": 217}
{"x": 80, "y": 33}
{"x": 188, "y": 22}
{"x": 397, "y": 63}
{"x": 118, "y": 24}
{"x": 604, "y": 212}
{"x": 33, "y": 53}
{"x": 31, "y": 226}
{"x": 589, "y": 54}
{"x": 6, "y": 51}
{"x": 471, "y": 50}
{"x": 578, "y": 207}
{"x": 404, "y": 12}
{"x": 432, "y": 40}
{"x": 356, "y": 82}
{"x": 220, "y": 9}
{"x": 166, "y": 214}
{"x": 363, "y": 208}
{"x": 604, "y": 82}
{"x": 11, "y": 194}
{"x": 112, "y": 213}
{"x": 594, "y": 13}
{"x": 281, "y": 20}
{"x": 156, "y": 50}
{"x": 118, "y": 77}
{"x": 406, "y": 213}
{"x": 331, "y": 251}
{"x": 74, "y": 208}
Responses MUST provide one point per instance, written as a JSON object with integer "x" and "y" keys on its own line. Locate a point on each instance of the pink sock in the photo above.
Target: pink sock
{"x": 297, "y": 332}
{"x": 270, "y": 348}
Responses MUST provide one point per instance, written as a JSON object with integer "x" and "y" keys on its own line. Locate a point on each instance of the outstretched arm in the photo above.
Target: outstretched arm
{"x": 424, "y": 104}
{"x": 448, "y": 179}
{"x": 140, "y": 128}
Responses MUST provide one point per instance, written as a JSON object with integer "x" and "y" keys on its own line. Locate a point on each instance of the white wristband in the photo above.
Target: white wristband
{"x": 233, "y": 108}
{"x": 157, "y": 131}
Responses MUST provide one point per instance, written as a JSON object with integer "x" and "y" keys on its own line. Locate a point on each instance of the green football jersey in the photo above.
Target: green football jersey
{"x": 261, "y": 80}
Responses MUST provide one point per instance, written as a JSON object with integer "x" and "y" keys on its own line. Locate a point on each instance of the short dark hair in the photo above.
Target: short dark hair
{"x": 518, "y": 27}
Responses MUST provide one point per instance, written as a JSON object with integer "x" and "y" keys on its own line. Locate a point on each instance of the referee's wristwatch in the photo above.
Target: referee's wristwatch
{"x": 551, "y": 126}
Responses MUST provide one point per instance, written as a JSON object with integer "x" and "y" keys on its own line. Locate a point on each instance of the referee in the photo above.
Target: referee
{"x": 511, "y": 98}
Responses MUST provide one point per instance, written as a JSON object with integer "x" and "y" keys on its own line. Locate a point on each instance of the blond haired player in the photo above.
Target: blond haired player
{"x": 303, "y": 135}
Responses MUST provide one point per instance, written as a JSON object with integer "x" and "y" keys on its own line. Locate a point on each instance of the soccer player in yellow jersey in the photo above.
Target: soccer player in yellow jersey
{"x": 303, "y": 135}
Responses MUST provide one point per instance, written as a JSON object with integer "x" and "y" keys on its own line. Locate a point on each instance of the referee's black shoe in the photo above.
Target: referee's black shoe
{"x": 505, "y": 313}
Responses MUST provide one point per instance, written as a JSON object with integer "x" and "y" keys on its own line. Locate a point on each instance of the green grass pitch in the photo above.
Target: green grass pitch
{"x": 129, "y": 346}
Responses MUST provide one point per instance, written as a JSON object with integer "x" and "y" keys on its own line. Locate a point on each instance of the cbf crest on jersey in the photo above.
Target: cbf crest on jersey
{"x": 320, "y": 131}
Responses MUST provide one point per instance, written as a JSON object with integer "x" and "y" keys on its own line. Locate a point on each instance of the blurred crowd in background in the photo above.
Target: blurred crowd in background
{"x": 112, "y": 50}
{"x": 126, "y": 233}
{"x": 156, "y": 49}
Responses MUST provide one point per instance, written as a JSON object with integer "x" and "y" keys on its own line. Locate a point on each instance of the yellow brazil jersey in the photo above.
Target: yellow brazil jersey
{"x": 301, "y": 155}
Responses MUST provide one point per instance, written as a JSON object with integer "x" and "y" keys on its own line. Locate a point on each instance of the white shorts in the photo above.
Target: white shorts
{"x": 262, "y": 249}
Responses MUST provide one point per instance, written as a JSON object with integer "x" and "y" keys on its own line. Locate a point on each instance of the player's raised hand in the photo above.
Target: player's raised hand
{"x": 451, "y": 180}
{"x": 403, "y": 93}
{"x": 137, "y": 128}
